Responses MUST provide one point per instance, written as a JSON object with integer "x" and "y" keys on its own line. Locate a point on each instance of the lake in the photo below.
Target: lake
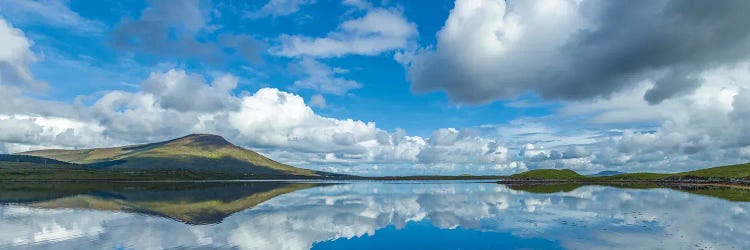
{"x": 370, "y": 215}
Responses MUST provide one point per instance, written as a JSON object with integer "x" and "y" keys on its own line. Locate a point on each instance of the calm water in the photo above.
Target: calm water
{"x": 370, "y": 215}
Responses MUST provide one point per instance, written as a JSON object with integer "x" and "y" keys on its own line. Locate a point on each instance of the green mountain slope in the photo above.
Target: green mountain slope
{"x": 32, "y": 159}
{"x": 197, "y": 152}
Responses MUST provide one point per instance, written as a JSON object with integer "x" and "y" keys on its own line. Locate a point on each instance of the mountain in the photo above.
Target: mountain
{"x": 606, "y": 173}
{"x": 196, "y": 152}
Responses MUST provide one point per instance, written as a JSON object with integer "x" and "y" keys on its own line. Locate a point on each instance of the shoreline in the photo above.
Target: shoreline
{"x": 730, "y": 184}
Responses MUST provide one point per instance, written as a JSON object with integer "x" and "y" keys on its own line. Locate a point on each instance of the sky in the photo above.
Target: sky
{"x": 387, "y": 87}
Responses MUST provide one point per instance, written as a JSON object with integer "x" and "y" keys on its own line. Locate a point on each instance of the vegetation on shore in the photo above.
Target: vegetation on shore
{"x": 734, "y": 173}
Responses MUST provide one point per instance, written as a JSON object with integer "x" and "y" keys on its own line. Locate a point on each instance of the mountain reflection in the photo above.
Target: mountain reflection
{"x": 189, "y": 202}
{"x": 588, "y": 217}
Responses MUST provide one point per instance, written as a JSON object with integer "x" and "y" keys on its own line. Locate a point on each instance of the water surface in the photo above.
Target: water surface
{"x": 370, "y": 215}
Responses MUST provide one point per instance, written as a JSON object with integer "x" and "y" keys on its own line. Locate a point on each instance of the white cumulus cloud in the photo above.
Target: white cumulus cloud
{"x": 378, "y": 31}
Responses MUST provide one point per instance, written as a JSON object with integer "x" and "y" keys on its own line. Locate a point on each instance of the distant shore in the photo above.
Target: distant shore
{"x": 728, "y": 183}
{"x": 723, "y": 175}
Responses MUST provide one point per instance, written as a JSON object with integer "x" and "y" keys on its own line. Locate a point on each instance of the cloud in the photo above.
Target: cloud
{"x": 708, "y": 132}
{"x": 360, "y": 4}
{"x": 574, "y": 152}
{"x": 299, "y": 220}
{"x": 182, "y": 29}
{"x": 276, "y": 8}
{"x": 694, "y": 127}
{"x": 49, "y": 12}
{"x": 318, "y": 101}
{"x": 462, "y": 147}
{"x": 699, "y": 129}
{"x": 174, "y": 103}
{"x": 323, "y": 79}
{"x": 15, "y": 59}
{"x": 576, "y": 50}
{"x": 189, "y": 92}
{"x": 380, "y": 30}
{"x": 271, "y": 118}
{"x": 48, "y": 132}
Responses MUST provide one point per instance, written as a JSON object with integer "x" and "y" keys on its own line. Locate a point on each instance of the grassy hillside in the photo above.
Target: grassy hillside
{"x": 33, "y": 168}
{"x": 548, "y": 174}
{"x": 198, "y": 152}
{"x": 723, "y": 173}
{"x": 740, "y": 171}
{"x": 18, "y": 167}
{"x": 20, "y": 160}
{"x": 732, "y": 172}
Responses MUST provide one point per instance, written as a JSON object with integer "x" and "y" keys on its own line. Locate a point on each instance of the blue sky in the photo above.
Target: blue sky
{"x": 384, "y": 98}
{"x": 386, "y": 87}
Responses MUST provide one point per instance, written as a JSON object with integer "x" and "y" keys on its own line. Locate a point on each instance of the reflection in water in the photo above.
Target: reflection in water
{"x": 723, "y": 191}
{"x": 371, "y": 214}
{"x": 192, "y": 203}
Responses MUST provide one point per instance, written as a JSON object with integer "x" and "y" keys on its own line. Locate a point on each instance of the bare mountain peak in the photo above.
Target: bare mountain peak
{"x": 203, "y": 140}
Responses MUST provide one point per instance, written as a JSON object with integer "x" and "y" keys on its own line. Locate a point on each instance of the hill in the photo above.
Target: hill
{"x": 734, "y": 173}
{"x": 740, "y": 171}
{"x": 196, "y": 152}
{"x": 547, "y": 174}
{"x": 28, "y": 164}
{"x": 32, "y": 159}
{"x": 737, "y": 173}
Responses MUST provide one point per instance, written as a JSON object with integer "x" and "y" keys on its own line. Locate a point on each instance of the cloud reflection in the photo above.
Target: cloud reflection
{"x": 590, "y": 217}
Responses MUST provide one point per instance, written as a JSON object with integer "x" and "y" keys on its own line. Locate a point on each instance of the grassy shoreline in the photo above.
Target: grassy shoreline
{"x": 730, "y": 175}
